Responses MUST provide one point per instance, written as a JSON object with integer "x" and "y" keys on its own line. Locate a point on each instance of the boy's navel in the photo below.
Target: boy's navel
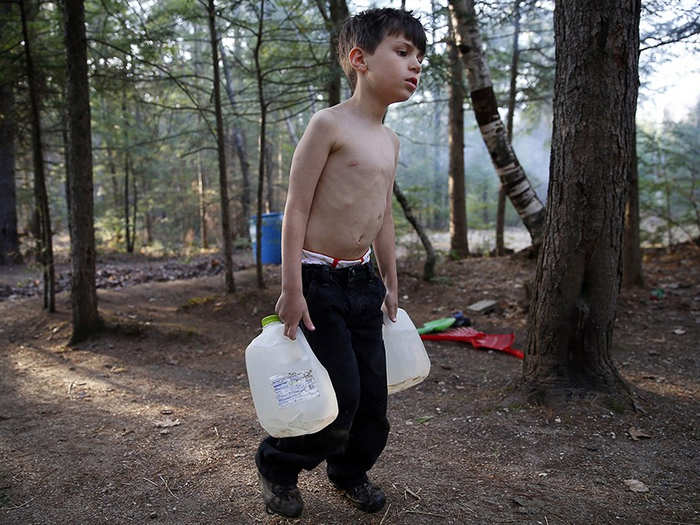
{"x": 353, "y": 164}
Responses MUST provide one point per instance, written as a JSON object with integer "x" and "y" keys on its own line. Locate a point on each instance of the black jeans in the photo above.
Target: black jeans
{"x": 345, "y": 307}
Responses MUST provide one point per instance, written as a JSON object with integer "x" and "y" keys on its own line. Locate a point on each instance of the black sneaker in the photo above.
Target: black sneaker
{"x": 367, "y": 496}
{"x": 284, "y": 500}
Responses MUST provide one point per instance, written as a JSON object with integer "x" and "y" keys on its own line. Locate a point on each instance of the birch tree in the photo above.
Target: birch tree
{"x": 512, "y": 91}
{"x": 511, "y": 173}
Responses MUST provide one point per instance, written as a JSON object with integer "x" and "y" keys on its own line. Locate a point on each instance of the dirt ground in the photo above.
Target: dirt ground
{"x": 152, "y": 422}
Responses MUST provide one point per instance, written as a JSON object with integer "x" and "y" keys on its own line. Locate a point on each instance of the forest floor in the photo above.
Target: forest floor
{"x": 152, "y": 420}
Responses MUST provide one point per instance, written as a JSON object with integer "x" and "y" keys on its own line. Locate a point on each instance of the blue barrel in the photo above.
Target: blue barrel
{"x": 271, "y": 238}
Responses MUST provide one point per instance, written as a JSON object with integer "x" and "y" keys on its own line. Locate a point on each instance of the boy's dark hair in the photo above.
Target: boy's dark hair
{"x": 368, "y": 28}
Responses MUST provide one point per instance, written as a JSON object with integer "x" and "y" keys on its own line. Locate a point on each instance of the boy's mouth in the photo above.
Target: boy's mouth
{"x": 413, "y": 81}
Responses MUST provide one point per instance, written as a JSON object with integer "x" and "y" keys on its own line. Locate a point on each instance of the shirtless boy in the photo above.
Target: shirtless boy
{"x": 339, "y": 208}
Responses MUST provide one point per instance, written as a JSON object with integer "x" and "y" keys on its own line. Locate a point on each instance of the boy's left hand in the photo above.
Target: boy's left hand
{"x": 391, "y": 304}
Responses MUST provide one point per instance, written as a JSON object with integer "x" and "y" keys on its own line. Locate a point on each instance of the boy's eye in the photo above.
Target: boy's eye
{"x": 402, "y": 52}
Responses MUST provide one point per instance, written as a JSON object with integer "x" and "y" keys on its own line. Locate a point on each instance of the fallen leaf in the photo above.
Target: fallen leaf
{"x": 424, "y": 419}
{"x": 679, "y": 331}
{"x": 637, "y": 433}
{"x": 167, "y": 422}
{"x": 636, "y": 486}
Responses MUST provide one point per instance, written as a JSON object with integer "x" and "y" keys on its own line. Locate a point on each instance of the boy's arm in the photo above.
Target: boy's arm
{"x": 385, "y": 248}
{"x": 307, "y": 164}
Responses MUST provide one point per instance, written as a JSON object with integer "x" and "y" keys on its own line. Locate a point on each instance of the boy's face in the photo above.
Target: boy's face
{"x": 393, "y": 70}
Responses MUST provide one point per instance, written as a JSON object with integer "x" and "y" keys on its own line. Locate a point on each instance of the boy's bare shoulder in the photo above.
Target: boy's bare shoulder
{"x": 325, "y": 119}
{"x": 393, "y": 136}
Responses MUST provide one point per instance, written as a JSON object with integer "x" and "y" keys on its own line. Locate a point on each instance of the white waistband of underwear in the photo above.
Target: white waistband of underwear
{"x": 309, "y": 257}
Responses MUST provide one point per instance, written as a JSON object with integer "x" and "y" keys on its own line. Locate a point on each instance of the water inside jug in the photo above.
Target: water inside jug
{"x": 291, "y": 390}
{"x": 407, "y": 362}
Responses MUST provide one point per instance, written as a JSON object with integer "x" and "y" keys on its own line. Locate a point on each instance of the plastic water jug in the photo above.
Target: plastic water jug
{"x": 407, "y": 362}
{"x": 291, "y": 390}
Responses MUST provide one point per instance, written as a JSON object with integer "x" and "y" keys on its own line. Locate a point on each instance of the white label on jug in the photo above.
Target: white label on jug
{"x": 294, "y": 387}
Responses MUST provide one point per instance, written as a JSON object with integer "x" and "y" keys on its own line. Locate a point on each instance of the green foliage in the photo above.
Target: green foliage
{"x": 535, "y": 81}
{"x": 668, "y": 156}
{"x": 152, "y": 113}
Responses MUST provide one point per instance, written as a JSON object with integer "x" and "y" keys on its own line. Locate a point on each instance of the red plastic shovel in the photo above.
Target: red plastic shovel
{"x": 500, "y": 342}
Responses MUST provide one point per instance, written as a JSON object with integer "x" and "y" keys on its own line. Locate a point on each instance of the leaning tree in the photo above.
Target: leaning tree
{"x": 579, "y": 268}
{"x": 513, "y": 178}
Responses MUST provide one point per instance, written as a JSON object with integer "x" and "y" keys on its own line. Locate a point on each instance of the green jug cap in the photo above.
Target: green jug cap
{"x": 274, "y": 318}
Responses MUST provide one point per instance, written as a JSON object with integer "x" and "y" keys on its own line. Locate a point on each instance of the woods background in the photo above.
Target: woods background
{"x": 140, "y": 137}
{"x": 154, "y": 136}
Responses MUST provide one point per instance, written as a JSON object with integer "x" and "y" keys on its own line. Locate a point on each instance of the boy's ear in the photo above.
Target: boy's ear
{"x": 357, "y": 59}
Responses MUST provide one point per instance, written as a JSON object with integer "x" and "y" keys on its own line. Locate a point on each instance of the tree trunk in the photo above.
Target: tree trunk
{"x": 201, "y": 174}
{"x": 437, "y": 188}
{"x": 500, "y": 221}
{"x": 632, "y": 257}
{"x": 134, "y": 210}
{"x": 459, "y": 245}
{"x": 262, "y": 144}
{"x": 9, "y": 242}
{"x": 333, "y": 18}
{"x": 40, "y": 195}
{"x": 291, "y": 129}
{"x": 663, "y": 174}
{"x": 579, "y": 269}
{"x": 130, "y": 193}
{"x": 86, "y": 319}
{"x": 64, "y": 137}
{"x": 149, "y": 228}
{"x": 509, "y": 170}
{"x": 339, "y": 12}
{"x": 429, "y": 266}
{"x": 239, "y": 143}
{"x": 512, "y": 92}
{"x": 220, "y": 147}
{"x": 116, "y": 192}
{"x": 269, "y": 176}
{"x": 201, "y": 190}
{"x": 127, "y": 215}
{"x": 127, "y": 173}
{"x": 66, "y": 160}
{"x": 280, "y": 171}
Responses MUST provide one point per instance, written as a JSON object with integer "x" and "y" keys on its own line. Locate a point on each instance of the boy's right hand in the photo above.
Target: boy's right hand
{"x": 291, "y": 308}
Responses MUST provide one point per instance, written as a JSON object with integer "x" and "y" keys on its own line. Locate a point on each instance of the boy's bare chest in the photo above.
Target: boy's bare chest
{"x": 368, "y": 158}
